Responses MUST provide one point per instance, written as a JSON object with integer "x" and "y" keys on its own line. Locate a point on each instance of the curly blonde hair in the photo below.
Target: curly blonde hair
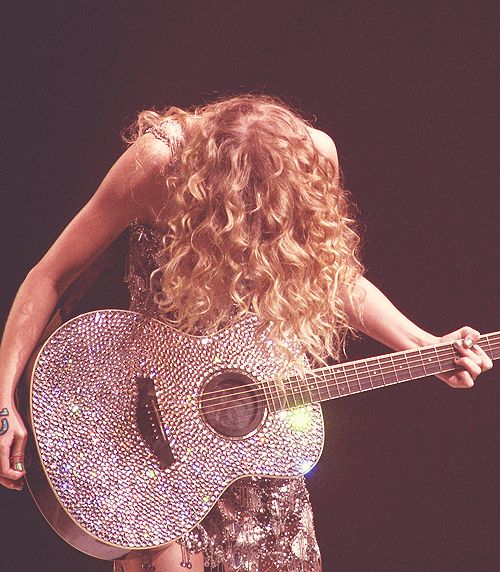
{"x": 261, "y": 225}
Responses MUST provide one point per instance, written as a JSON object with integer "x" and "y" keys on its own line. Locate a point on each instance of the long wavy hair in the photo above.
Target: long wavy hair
{"x": 261, "y": 224}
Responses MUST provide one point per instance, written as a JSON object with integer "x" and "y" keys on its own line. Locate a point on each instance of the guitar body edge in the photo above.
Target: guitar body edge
{"x": 95, "y": 478}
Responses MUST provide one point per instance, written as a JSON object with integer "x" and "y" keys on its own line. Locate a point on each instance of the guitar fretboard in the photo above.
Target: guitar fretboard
{"x": 339, "y": 380}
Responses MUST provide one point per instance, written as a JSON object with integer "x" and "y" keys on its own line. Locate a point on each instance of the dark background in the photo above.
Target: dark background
{"x": 408, "y": 479}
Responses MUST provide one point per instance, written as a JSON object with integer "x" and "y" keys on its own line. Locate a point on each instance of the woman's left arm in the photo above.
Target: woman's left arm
{"x": 371, "y": 312}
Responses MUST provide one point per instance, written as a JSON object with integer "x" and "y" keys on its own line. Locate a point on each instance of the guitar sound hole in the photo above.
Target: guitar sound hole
{"x": 233, "y": 404}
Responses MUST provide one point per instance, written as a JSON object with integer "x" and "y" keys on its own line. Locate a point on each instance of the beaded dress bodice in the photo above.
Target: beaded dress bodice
{"x": 145, "y": 246}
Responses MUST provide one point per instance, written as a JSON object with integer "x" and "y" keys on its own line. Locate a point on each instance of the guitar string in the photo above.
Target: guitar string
{"x": 391, "y": 360}
{"x": 408, "y": 359}
{"x": 348, "y": 378}
{"x": 291, "y": 400}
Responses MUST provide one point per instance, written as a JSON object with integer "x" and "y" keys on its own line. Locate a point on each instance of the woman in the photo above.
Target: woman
{"x": 234, "y": 207}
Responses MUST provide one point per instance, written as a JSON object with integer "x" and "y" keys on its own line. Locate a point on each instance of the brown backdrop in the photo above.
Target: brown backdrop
{"x": 407, "y": 480}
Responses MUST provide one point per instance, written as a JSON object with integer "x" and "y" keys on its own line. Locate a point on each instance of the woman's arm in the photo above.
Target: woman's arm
{"x": 127, "y": 193}
{"x": 371, "y": 312}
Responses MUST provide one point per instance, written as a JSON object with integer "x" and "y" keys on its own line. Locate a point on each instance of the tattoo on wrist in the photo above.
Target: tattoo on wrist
{"x": 5, "y": 424}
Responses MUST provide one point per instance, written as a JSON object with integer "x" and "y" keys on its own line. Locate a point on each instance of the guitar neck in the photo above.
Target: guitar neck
{"x": 331, "y": 382}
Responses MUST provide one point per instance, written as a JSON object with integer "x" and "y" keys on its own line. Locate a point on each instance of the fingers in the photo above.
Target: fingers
{"x": 468, "y": 335}
{"x": 12, "y": 461}
{"x": 17, "y": 451}
{"x": 486, "y": 362}
{"x": 10, "y": 467}
{"x": 471, "y": 358}
{"x": 470, "y": 372}
{"x": 473, "y": 354}
{"x": 17, "y": 460}
{"x": 10, "y": 484}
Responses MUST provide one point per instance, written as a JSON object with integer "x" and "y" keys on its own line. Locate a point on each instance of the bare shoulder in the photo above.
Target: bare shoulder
{"x": 145, "y": 164}
{"x": 324, "y": 144}
{"x": 150, "y": 154}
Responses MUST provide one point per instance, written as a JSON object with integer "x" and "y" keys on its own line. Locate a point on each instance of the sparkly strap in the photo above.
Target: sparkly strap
{"x": 171, "y": 133}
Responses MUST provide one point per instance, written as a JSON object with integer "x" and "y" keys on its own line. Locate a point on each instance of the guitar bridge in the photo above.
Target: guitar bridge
{"x": 150, "y": 423}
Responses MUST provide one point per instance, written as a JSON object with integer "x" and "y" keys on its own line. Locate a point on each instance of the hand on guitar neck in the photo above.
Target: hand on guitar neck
{"x": 472, "y": 359}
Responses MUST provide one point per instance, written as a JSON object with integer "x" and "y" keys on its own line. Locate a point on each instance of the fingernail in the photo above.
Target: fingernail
{"x": 19, "y": 467}
{"x": 457, "y": 343}
{"x": 468, "y": 342}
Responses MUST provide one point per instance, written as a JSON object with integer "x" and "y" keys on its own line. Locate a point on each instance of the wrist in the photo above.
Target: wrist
{"x": 415, "y": 340}
{"x": 427, "y": 340}
{"x": 6, "y": 395}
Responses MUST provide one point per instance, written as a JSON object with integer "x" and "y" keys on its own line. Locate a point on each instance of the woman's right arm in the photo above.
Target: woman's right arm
{"x": 128, "y": 192}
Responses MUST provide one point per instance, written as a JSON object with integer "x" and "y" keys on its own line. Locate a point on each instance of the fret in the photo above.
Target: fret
{"x": 292, "y": 396}
{"x": 303, "y": 387}
{"x": 364, "y": 375}
{"x": 280, "y": 394}
{"x": 314, "y": 387}
{"x": 331, "y": 383}
{"x": 354, "y": 385}
{"x": 395, "y": 369}
{"x": 326, "y": 388}
{"x": 308, "y": 396}
{"x": 297, "y": 392}
{"x": 388, "y": 374}
{"x": 376, "y": 377}
{"x": 438, "y": 360}
{"x": 422, "y": 362}
{"x": 386, "y": 378}
{"x": 431, "y": 366}
{"x": 417, "y": 367}
{"x": 402, "y": 367}
{"x": 273, "y": 395}
{"x": 290, "y": 401}
{"x": 426, "y": 363}
{"x": 299, "y": 396}
{"x": 364, "y": 383}
{"x": 342, "y": 385}
{"x": 490, "y": 351}
{"x": 408, "y": 367}
{"x": 447, "y": 358}
{"x": 495, "y": 352}
{"x": 268, "y": 394}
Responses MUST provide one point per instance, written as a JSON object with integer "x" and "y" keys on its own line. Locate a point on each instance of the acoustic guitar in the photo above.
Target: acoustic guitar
{"x": 138, "y": 428}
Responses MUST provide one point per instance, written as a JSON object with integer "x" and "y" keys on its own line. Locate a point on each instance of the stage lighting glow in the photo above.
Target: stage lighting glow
{"x": 300, "y": 418}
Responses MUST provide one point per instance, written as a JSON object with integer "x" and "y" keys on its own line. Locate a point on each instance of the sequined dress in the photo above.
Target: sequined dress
{"x": 258, "y": 523}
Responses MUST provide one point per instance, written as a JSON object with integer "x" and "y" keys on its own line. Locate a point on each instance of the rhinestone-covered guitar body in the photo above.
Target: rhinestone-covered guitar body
{"x": 114, "y": 491}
